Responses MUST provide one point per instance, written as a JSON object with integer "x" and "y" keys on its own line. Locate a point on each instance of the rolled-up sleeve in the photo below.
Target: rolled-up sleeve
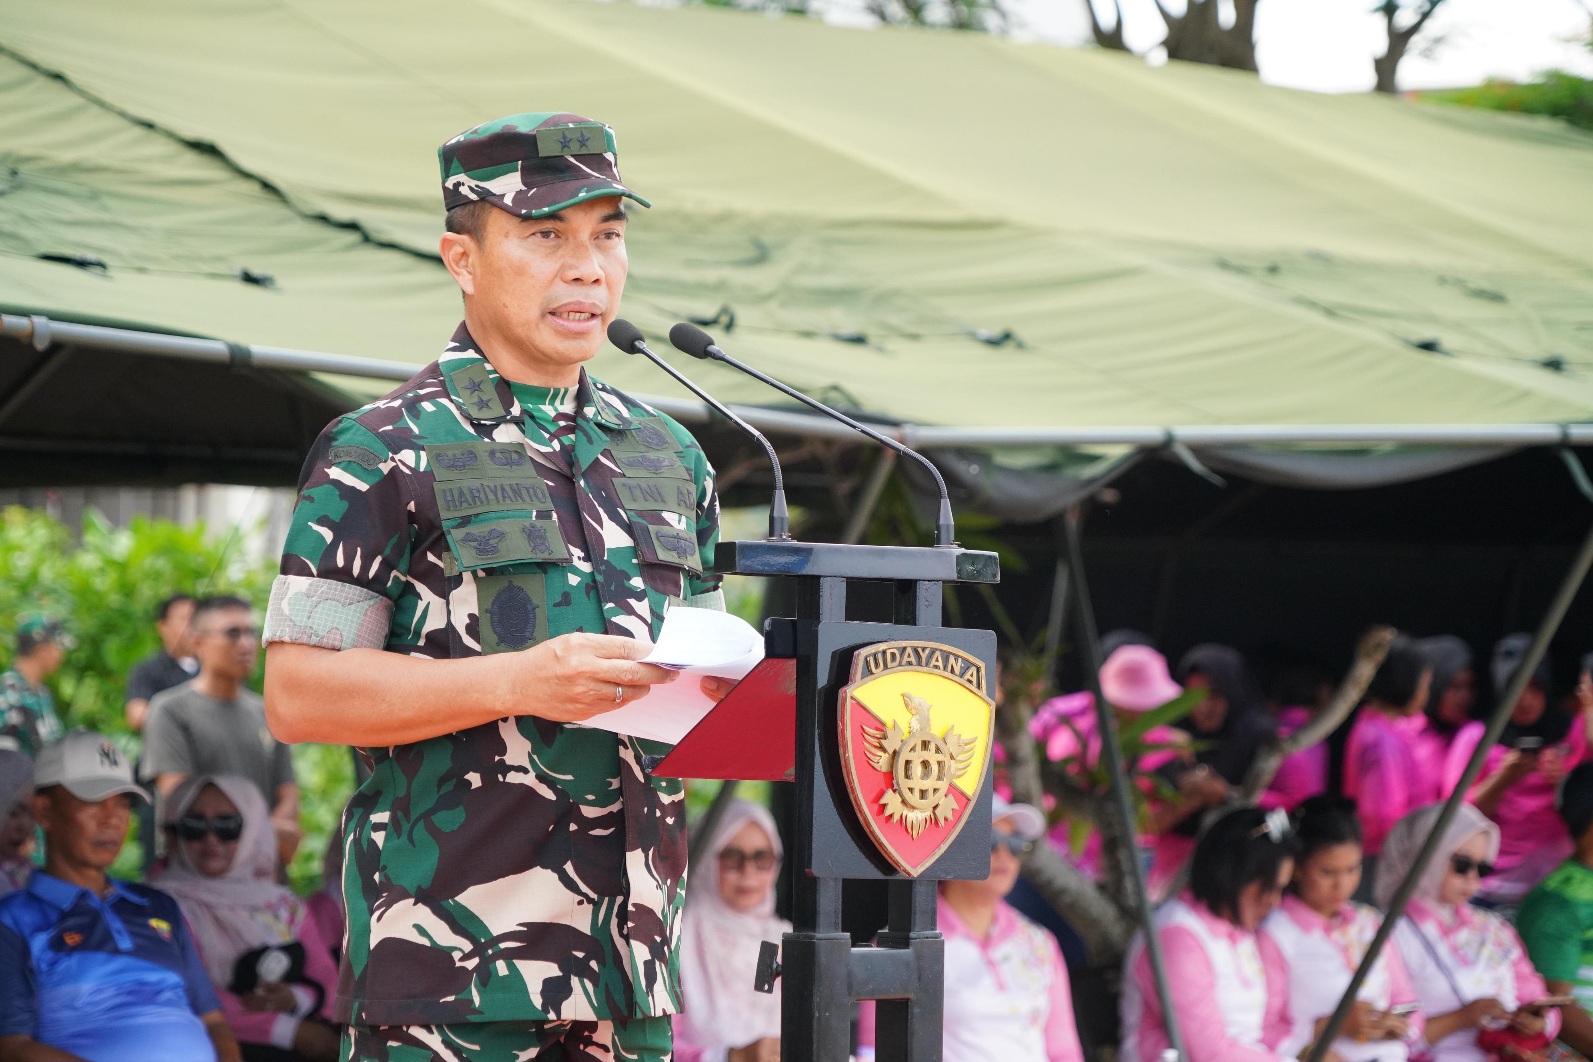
{"x": 347, "y": 551}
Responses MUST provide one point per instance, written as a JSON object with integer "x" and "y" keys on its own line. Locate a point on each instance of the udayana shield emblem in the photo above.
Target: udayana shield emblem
{"x": 915, "y": 730}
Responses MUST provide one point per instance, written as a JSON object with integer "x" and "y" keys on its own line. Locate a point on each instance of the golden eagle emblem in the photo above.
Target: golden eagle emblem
{"x": 922, "y": 766}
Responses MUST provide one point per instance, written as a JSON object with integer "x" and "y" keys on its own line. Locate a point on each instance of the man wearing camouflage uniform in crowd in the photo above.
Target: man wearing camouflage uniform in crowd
{"x": 27, "y": 710}
{"x": 476, "y": 562}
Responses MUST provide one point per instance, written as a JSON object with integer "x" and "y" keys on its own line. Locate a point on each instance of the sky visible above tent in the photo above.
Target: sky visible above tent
{"x": 1172, "y": 246}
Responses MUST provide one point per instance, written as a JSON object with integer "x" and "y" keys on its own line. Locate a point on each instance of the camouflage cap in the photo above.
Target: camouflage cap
{"x": 532, "y": 164}
{"x": 35, "y": 628}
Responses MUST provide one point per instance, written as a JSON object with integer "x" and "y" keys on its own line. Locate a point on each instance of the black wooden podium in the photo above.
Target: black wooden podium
{"x": 781, "y": 722}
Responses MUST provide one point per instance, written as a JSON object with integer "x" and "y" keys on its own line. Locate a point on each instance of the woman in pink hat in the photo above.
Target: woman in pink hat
{"x": 1134, "y": 679}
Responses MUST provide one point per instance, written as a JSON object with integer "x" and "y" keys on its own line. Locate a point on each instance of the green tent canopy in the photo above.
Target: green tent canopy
{"x": 999, "y": 245}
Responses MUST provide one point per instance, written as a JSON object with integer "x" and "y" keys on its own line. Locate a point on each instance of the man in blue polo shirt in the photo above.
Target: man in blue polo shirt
{"x": 92, "y": 968}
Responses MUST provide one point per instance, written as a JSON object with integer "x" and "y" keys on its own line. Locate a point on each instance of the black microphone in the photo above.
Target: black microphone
{"x": 629, "y": 338}
{"x": 689, "y": 339}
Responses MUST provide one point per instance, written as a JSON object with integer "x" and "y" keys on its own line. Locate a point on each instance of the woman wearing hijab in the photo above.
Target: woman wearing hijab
{"x": 1451, "y": 696}
{"x": 728, "y": 917}
{"x": 1471, "y": 974}
{"x": 265, "y": 956}
{"x": 1227, "y": 729}
{"x": 16, "y": 819}
{"x": 1229, "y": 985}
{"x": 1519, "y": 777}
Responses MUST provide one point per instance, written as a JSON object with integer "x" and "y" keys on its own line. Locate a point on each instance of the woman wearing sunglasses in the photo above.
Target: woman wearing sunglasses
{"x": 1322, "y": 936}
{"x": 1470, "y": 971}
{"x": 1007, "y": 995}
{"x": 729, "y": 914}
{"x": 270, "y": 968}
{"x": 1229, "y": 986}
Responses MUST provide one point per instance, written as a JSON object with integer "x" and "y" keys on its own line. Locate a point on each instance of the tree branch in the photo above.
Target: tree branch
{"x": 1107, "y": 38}
{"x": 1369, "y": 654}
{"x": 1098, "y": 922}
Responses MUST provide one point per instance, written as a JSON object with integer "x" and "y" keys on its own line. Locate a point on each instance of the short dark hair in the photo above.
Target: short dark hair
{"x": 217, "y": 603}
{"x": 1400, "y": 675}
{"x": 469, "y": 219}
{"x": 1574, "y": 801}
{"x": 1325, "y": 821}
{"x": 163, "y": 609}
{"x": 1234, "y": 852}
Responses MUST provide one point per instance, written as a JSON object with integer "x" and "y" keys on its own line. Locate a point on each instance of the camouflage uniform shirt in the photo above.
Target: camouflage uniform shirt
{"x": 27, "y": 715}
{"x": 522, "y": 870}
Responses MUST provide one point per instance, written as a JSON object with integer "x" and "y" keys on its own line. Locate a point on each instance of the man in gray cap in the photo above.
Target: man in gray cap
{"x": 91, "y": 966}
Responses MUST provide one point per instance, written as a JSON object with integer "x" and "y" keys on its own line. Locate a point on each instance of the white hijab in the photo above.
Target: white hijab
{"x": 244, "y": 908}
{"x": 1404, "y": 843}
{"x": 719, "y": 947}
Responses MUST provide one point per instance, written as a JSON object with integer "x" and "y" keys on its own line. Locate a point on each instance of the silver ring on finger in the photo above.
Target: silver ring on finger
{"x": 619, "y": 694}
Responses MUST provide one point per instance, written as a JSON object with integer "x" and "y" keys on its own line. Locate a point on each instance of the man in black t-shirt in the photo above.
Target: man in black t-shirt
{"x": 171, "y": 666}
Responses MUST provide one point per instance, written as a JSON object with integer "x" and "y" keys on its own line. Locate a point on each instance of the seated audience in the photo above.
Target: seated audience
{"x": 17, "y": 825}
{"x": 326, "y": 906}
{"x": 1556, "y": 918}
{"x": 1007, "y": 996}
{"x": 216, "y": 725}
{"x": 1322, "y": 936}
{"x": 729, "y": 914}
{"x": 1227, "y": 728}
{"x": 1380, "y": 771}
{"x": 1516, "y": 787}
{"x": 92, "y": 967}
{"x": 1451, "y": 697}
{"x": 265, "y": 957}
{"x": 1298, "y": 695}
{"x": 1472, "y": 977}
{"x": 1228, "y": 987}
{"x": 1134, "y": 680}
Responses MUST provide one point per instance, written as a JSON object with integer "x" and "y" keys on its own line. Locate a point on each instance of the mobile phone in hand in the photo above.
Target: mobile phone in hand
{"x": 1528, "y": 744}
{"x": 1402, "y": 1010}
{"x": 1550, "y": 1002}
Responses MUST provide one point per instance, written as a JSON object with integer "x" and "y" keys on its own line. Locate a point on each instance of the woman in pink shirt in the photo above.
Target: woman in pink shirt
{"x": 222, "y": 871}
{"x": 1007, "y": 996}
{"x": 1322, "y": 937}
{"x": 1380, "y": 759}
{"x": 1451, "y": 696}
{"x": 1229, "y": 985}
{"x": 729, "y": 914}
{"x": 1519, "y": 776}
{"x": 1298, "y": 694}
{"x": 1471, "y": 974}
{"x": 1134, "y": 679}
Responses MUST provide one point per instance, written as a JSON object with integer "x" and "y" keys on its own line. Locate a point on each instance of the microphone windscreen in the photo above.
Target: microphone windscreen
{"x": 689, "y": 339}
{"x": 625, "y": 335}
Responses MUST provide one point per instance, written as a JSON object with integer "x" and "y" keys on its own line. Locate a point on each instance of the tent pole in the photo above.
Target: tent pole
{"x": 1111, "y": 753}
{"x": 1144, "y": 437}
{"x": 1501, "y": 716}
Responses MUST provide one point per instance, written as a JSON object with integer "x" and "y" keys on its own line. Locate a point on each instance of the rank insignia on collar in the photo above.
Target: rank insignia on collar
{"x": 915, "y": 727}
{"x": 161, "y": 927}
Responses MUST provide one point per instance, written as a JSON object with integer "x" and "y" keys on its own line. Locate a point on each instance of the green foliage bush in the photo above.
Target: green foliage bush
{"x": 1558, "y": 95}
{"x": 105, "y": 587}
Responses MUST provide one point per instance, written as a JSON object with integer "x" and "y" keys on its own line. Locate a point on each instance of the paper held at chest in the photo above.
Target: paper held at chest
{"x": 696, "y": 642}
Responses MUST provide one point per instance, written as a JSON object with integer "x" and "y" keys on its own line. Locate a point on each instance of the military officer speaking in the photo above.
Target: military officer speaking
{"x": 465, "y": 577}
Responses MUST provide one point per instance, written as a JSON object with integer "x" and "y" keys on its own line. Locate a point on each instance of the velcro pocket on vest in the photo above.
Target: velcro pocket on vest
{"x": 493, "y": 540}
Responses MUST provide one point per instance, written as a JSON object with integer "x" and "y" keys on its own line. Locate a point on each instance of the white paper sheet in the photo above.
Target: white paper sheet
{"x": 697, "y": 642}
